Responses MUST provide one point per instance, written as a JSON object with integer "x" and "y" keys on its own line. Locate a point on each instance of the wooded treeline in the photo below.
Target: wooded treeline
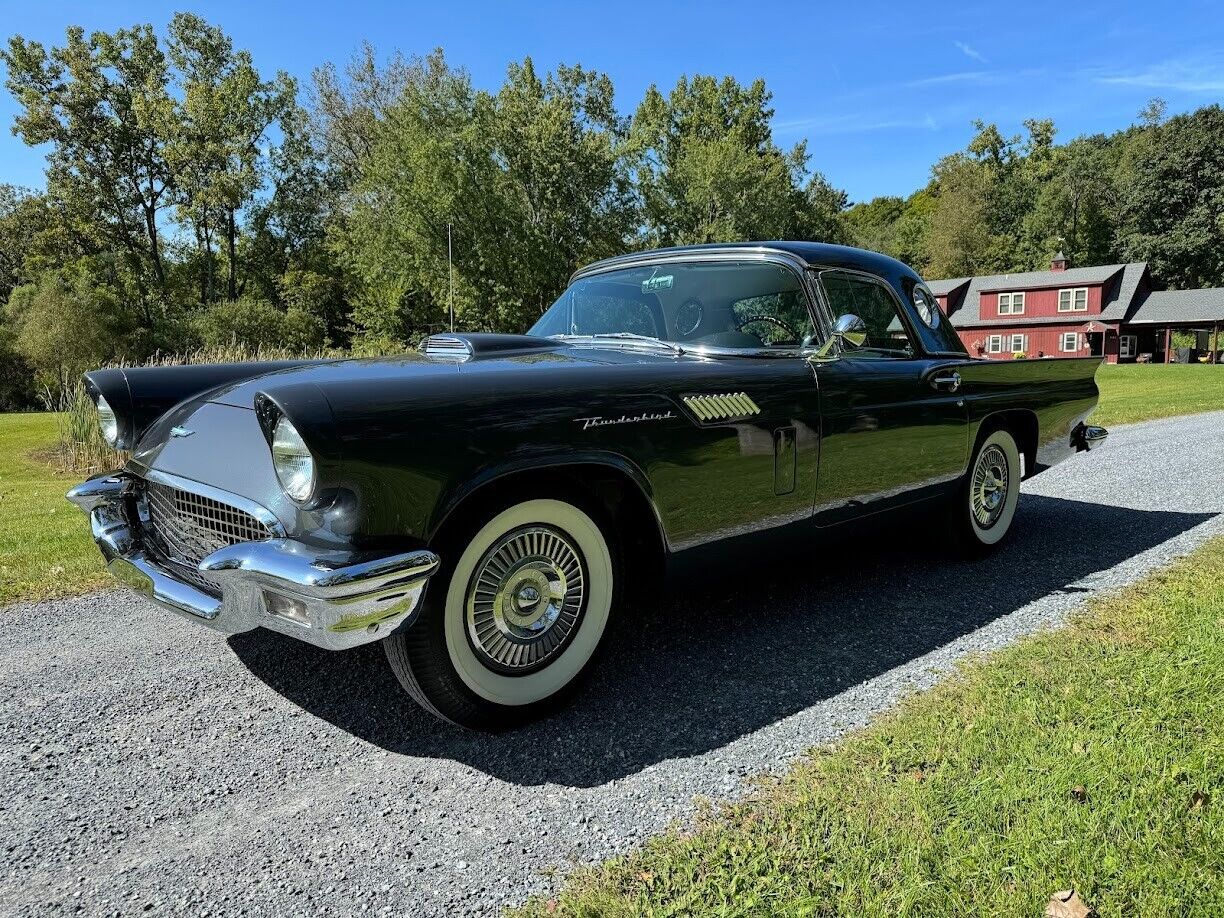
{"x": 192, "y": 200}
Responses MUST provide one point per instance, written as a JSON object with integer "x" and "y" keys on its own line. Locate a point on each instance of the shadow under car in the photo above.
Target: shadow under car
{"x": 697, "y": 669}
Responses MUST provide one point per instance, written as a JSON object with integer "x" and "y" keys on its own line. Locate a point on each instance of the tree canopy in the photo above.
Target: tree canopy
{"x": 192, "y": 199}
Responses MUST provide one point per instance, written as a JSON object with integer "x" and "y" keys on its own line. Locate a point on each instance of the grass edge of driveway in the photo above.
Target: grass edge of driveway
{"x": 46, "y": 550}
{"x": 1088, "y": 757}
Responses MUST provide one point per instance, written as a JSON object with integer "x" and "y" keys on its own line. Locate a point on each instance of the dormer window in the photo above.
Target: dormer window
{"x": 1075, "y": 300}
{"x": 1011, "y": 304}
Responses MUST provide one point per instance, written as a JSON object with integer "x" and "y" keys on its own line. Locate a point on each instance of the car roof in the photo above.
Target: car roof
{"x": 814, "y": 254}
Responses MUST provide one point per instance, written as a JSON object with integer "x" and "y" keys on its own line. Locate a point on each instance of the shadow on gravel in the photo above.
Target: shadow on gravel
{"x": 697, "y": 671}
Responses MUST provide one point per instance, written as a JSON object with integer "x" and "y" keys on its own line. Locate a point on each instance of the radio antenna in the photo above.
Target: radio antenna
{"x": 450, "y": 267}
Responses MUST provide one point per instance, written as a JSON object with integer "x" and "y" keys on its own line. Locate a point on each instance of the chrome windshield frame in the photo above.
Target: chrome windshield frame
{"x": 764, "y": 254}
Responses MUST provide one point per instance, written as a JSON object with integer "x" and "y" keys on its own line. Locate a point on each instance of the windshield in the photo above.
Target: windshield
{"x": 747, "y": 304}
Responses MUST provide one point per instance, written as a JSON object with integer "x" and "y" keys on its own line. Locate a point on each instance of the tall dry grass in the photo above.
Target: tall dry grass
{"x": 80, "y": 447}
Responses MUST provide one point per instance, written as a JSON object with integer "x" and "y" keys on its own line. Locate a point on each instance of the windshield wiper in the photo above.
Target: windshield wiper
{"x": 627, "y": 337}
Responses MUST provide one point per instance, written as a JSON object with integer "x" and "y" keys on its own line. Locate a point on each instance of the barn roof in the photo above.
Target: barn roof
{"x": 1034, "y": 280}
{"x": 1171, "y": 306}
{"x": 1120, "y": 287}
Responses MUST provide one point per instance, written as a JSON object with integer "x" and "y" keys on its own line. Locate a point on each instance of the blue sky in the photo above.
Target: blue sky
{"x": 879, "y": 91}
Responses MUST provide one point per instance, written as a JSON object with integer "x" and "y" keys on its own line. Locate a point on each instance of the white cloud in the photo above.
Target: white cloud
{"x": 853, "y": 124}
{"x": 964, "y": 76}
{"x": 971, "y": 52}
{"x": 1186, "y": 75}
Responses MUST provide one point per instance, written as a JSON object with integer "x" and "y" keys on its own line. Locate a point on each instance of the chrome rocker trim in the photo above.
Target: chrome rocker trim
{"x": 335, "y": 599}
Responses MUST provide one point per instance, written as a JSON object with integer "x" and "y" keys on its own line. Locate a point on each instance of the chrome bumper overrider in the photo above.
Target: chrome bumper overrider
{"x": 1087, "y": 436}
{"x": 330, "y": 598}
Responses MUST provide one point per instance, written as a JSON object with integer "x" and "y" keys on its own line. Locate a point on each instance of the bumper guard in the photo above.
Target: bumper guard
{"x": 331, "y": 598}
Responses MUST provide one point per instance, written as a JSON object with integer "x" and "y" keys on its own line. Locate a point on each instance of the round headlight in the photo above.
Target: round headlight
{"x": 107, "y": 422}
{"x": 295, "y": 466}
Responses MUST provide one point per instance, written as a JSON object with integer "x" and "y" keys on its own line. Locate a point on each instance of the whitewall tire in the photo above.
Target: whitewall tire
{"x": 514, "y": 619}
{"x": 986, "y": 505}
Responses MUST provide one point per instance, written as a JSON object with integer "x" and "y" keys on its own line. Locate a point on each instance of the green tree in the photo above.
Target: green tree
{"x": 529, "y": 181}
{"x": 103, "y": 104}
{"x": 217, "y": 150}
{"x": 959, "y": 242}
{"x": 1173, "y": 203}
{"x": 67, "y": 321}
{"x": 707, "y": 168}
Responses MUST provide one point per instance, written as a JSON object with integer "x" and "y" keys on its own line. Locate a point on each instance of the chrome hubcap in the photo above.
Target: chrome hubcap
{"x": 988, "y": 493}
{"x": 524, "y": 599}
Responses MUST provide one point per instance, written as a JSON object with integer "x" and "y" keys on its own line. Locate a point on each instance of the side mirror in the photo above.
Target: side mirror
{"x": 851, "y": 331}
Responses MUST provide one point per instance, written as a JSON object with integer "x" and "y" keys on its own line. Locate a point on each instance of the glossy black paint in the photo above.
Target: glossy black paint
{"x": 140, "y": 395}
{"x": 403, "y": 442}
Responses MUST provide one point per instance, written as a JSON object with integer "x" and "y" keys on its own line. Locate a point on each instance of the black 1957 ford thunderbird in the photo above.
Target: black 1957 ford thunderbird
{"x": 479, "y": 507}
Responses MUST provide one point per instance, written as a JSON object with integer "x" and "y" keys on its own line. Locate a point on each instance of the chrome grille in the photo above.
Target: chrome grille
{"x": 188, "y": 527}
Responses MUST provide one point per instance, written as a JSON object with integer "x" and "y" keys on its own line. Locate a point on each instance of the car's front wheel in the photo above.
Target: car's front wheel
{"x": 512, "y": 622}
{"x": 982, "y": 512}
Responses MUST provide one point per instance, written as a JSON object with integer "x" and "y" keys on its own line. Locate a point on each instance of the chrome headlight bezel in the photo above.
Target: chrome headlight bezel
{"x": 108, "y": 421}
{"x": 295, "y": 465}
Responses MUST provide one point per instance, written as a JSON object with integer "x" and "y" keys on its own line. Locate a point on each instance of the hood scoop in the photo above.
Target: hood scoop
{"x": 458, "y": 348}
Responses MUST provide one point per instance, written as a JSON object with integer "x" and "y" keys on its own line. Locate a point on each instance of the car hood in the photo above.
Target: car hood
{"x": 435, "y": 372}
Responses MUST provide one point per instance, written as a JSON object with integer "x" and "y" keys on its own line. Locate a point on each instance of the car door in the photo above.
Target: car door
{"x": 894, "y": 423}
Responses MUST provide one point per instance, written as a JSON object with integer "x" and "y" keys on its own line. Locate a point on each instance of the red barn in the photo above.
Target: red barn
{"x": 1108, "y": 310}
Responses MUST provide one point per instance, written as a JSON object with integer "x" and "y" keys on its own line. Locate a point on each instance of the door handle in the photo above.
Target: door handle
{"x": 946, "y": 382}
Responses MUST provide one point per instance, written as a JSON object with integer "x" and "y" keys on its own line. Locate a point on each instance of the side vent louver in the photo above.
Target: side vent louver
{"x": 446, "y": 347}
{"x": 712, "y": 408}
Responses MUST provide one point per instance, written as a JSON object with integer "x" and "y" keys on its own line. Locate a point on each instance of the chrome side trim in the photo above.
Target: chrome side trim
{"x": 718, "y": 408}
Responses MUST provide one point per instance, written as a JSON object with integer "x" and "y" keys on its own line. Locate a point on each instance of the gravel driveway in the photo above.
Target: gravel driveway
{"x": 147, "y": 764}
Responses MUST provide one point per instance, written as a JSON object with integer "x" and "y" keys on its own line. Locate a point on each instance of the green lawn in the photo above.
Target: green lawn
{"x": 1089, "y": 758}
{"x": 1140, "y": 392}
{"x": 45, "y": 547}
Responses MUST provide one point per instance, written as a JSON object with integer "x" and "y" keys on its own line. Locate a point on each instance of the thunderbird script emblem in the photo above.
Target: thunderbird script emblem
{"x": 600, "y": 421}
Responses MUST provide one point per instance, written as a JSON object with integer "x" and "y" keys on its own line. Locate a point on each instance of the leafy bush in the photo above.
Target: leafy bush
{"x": 66, "y": 321}
{"x": 257, "y": 324}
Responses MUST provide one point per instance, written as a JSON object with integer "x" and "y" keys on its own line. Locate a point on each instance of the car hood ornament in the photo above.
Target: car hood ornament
{"x": 181, "y": 432}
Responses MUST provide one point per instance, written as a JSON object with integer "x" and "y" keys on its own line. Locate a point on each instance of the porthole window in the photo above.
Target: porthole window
{"x": 927, "y": 308}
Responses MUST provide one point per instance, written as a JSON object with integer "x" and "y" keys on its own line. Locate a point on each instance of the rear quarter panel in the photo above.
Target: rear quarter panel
{"x": 1060, "y": 392}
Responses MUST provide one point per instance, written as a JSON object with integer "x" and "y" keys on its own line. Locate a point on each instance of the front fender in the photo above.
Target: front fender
{"x": 457, "y": 493}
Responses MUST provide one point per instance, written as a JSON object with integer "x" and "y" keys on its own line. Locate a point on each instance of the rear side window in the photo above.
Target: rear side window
{"x": 927, "y": 307}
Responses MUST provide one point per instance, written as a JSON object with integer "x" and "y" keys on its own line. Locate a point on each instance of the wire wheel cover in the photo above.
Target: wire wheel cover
{"x": 525, "y": 599}
{"x": 988, "y": 493}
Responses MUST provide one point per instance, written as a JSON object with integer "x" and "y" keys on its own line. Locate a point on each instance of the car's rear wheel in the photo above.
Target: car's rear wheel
{"x": 982, "y": 512}
{"x": 513, "y": 620}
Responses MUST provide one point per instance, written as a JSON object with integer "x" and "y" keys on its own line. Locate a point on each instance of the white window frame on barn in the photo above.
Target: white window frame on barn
{"x": 994, "y": 344}
{"x": 1023, "y": 342}
{"x": 1073, "y": 337}
{"x": 1127, "y": 345}
{"x": 1015, "y": 304}
{"x": 1076, "y": 299}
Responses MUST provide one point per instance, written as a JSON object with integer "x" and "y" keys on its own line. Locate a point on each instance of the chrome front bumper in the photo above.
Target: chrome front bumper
{"x": 330, "y": 598}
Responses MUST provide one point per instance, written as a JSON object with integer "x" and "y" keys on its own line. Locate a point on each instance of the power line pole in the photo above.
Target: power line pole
{"x": 450, "y": 267}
